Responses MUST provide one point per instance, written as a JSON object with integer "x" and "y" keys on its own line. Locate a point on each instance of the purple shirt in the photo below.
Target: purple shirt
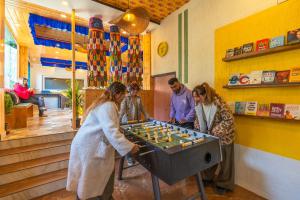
{"x": 182, "y": 105}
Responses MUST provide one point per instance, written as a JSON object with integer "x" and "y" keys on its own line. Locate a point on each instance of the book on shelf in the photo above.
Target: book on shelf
{"x": 255, "y": 77}
{"x": 262, "y": 45}
{"x": 240, "y": 108}
{"x": 247, "y": 48}
{"x": 282, "y": 76}
{"x": 263, "y": 110}
{"x": 251, "y": 108}
{"x": 277, "y": 42}
{"x": 293, "y": 36}
{"x": 231, "y": 106}
{"x": 292, "y": 111}
{"x": 295, "y": 75}
{"x": 238, "y": 51}
{"x": 234, "y": 79}
{"x": 268, "y": 77}
{"x": 244, "y": 79}
{"x": 229, "y": 53}
{"x": 277, "y": 110}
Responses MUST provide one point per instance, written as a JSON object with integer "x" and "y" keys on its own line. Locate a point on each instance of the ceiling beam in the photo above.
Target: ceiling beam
{"x": 122, "y": 10}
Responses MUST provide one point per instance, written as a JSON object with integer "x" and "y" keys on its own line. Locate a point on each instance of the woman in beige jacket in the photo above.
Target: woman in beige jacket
{"x": 214, "y": 117}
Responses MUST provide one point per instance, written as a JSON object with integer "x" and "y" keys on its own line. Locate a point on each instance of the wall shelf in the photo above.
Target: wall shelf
{"x": 262, "y": 53}
{"x": 273, "y": 85}
{"x": 265, "y": 117}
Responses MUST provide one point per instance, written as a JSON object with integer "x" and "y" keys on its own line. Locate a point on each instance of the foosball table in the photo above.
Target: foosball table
{"x": 172, "y": 153}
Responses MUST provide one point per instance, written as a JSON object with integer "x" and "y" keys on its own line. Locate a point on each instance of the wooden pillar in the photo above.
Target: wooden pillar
{"x": 74, "y": 116}
{"x": 23, "y": 61}
{"x": 2, "y": 118}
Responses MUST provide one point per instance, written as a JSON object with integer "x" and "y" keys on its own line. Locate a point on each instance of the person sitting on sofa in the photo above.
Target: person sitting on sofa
{"x": 26, "y": 95}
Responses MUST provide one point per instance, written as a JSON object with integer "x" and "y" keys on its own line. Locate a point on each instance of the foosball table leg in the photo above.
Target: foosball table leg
{"x": 200, "y": 186}
{"x": 156, "y": 189}
{"x": 121, "y": 166}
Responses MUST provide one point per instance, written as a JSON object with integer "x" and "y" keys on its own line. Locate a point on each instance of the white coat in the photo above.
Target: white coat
{"x": 92, "y": 156}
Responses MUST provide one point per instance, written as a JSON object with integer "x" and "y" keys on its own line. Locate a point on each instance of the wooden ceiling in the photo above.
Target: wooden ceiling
{"x": 157, "y": 9}
{"x": 17, "y": 15}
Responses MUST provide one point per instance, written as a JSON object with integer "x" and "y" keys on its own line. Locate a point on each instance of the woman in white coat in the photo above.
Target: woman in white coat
{"x": 92, "y": 157}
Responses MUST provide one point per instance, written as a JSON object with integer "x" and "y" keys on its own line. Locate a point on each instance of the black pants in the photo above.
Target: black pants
{"x": 39, "y": 101}
{"x": 222, "y": 175}
{"x": 188, "y": 125}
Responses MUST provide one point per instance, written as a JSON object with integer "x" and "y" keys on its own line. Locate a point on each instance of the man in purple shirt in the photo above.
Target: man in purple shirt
{"x": 182, "y": 105}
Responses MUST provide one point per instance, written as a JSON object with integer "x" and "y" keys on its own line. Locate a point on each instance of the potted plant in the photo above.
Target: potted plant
{"x": 8, "y": 108}
{"x": 78, "y": 100}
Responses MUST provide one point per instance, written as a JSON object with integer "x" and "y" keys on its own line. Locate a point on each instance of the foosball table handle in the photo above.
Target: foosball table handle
{"x": 147, "y": 152}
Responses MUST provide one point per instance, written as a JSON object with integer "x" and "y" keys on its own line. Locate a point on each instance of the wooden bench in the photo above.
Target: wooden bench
{"x": 21, "y": 112}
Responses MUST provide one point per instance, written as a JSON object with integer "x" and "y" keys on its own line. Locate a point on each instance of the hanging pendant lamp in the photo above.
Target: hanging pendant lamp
{"x": 134, "y": 21}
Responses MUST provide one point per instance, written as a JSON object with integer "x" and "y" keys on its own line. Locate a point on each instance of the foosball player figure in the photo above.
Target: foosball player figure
{"x": 148, "y": 136}
{"x": 156, "y": 137}
{"x": 169, "y": 137}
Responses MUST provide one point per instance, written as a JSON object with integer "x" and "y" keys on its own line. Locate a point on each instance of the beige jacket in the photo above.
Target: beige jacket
{"x": 131, "y": 110}
{"x": 221, "y": 124}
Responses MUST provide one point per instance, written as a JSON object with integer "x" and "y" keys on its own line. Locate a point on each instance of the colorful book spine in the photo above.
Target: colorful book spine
{"x": 282, "y": 76}
{"x": 263, "y": 110}
{"x": 244, "y": 79}
{"x": 231, "y": 106}
{"x": 268, "y": 77}
{"x": 277, "y": 110}
{"x": 234, "y": 79}
{"x": 251, "y": 108}
{"x": 295, "y": 75}
{"x": 277, "y": 42}
{"x": 255, "y": 77}
{"x": 262, "y": 45}
{"x": 292, "y": 111}
{"x": 240, "y": 108}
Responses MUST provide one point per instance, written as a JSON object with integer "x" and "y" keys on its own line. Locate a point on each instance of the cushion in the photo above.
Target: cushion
{"x": 14, "y": 97}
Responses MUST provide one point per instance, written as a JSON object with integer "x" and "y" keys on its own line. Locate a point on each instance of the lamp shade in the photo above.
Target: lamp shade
{"x": 134, "y": 21}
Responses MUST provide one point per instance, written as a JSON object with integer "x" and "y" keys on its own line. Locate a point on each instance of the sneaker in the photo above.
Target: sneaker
{"x": 43, "y": 108}
{"x": 130, "y": 162}
{"x": 43, "y": 115}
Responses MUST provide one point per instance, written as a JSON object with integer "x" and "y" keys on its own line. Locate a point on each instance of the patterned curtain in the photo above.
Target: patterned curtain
{"x": 135, "y": 61}
{"x": 97, "y": 74}
{"x": 115, "y": 54}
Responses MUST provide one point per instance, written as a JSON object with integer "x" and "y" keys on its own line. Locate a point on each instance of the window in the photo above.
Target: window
{"x": 60, "y": 83}
{"x": 10, "y": 60}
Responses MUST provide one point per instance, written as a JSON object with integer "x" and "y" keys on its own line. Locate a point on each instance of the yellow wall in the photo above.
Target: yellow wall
{"x": 275, "y": 136}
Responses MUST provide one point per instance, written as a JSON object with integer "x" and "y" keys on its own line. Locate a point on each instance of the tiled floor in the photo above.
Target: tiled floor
{"x": 57, "y": 121}
{"x": 137, "y": 186}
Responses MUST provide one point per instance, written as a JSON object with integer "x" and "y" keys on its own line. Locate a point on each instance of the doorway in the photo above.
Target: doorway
{"x": 162, "y": 96}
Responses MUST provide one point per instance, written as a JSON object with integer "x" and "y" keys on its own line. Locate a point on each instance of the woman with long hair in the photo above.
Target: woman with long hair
{"x": 214, "y": 117}
{"x": 92, "y": 157}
